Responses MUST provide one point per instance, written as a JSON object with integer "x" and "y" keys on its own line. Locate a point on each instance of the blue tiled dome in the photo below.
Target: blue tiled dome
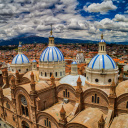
{"x": 20, "y": 59}
{"x": 51, "y": 53}
{"x": 102, "y": 62}
{"x": 74, "y": 62}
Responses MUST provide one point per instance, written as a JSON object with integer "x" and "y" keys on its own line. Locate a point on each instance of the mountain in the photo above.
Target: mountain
{"x": 37, "y": 39}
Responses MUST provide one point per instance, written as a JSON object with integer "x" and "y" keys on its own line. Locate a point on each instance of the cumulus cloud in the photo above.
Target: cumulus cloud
{"x": 112, "y": 25}
{"x": 103, "y": 7}
{"x": 35, "y": 16}
{"x": 119, "y": 17}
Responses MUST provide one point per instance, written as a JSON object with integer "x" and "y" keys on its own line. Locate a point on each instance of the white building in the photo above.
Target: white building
{"x": 80, "y": 57}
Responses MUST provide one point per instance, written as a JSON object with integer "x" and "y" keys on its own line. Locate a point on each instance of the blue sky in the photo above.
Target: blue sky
{"x": 73, "y": 19}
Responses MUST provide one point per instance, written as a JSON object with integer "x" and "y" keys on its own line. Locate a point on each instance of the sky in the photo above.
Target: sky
{"x": 71, "y": 19}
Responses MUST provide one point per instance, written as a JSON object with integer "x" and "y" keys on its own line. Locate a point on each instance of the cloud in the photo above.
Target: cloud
{"x": 119, "y": 17}
{"x": 112, "y": 25}
{"x": 35, "y": 16}
{"x": 104, "y": 7}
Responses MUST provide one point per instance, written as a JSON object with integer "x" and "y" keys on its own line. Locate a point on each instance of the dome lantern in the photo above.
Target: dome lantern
{"x": 102, "y": 46}
{"x": 51, "y": 38}
{"x": 19, "y": 48}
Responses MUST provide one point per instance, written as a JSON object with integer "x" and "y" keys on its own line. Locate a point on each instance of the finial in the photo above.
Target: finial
{"x": 79, "y": 79}
{"x": 51, "y": 30}
{"x": 102, "y": 36}
{"x": 20, "y": 43}
{"x": 102, "y": 118}
{"x": 113, "y": 83}
{"x": 62, "y": 111}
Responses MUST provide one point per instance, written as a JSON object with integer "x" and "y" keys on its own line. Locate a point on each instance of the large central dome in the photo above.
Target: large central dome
{"x": 51, "y": 53}
{"x": 102, "y": 62}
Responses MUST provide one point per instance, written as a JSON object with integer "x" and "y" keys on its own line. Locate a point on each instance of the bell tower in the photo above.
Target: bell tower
{"x": 51, "y": 38}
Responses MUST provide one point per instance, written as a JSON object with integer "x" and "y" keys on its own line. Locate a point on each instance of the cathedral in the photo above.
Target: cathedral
{"x": 47, "y": 98}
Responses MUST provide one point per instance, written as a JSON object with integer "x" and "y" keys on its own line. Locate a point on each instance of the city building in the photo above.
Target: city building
{"x": 34, "y": 100}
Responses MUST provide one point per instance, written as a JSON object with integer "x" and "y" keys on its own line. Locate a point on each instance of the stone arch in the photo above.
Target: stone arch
{"x": 24, "y": 80}
{"x": 9, "y": 78}
{"x": 86, "y": 92}
{"x": 75, "y": 125}
{"x": 25, "y": 121}
{"x": 10, "y": 103}
{"x": 42, "y": 115}
{"x": 18, "y": 92}
{"x": 61, "y": 86}
{"x": 121, "y": 103}
{"x": 66, "y": 91}
{"x": 102, "y": 98}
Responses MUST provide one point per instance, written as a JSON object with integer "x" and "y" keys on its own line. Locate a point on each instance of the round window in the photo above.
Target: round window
{"x": 109, "y": 80}
{"x": 96, "y": 80}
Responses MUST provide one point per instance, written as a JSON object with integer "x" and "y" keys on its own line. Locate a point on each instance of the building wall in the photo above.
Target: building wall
{"x": 102, "y": 77}
{"x": 51, "y": 67}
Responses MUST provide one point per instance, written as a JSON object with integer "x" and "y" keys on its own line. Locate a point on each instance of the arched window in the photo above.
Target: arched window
{"x": 19, "y": 70}
{"x": 12, "y": 70}
{"x": 41, "y": 74}
{"x": 66, "y": 93}
{"x": 27, "y": 70}
{"x": 95, "y": 99}
{"x": 127, "y": 104}
{"x": 25, "y": 125}
{"x": 101, "y": 48}
{"x": 92, "y": 99}
{"x": 45, "y": 74}
{"x": 50, "y": 74}
{"x": 47, "y": 123}
{"x": 24, "y": 106}
{"x": 7, "y": 105}
{"x": 56, "y": 74}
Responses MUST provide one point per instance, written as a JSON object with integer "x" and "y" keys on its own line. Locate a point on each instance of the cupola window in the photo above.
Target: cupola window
{"x": 96, "y": 80}
{"x": 109, "y": 80}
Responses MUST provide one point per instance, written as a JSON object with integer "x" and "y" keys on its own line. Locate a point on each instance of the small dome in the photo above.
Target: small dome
{"x": 74, "y": 62}
{"x": 34, "y": 60}
{"x": 20, "y": 45}
{"x": 72, "y": 80}
{"x": 51, "y": 53}
{"x": 20, "y": 59}
{"x": 102, "y": 40}
{"x": 51, "y": 36}
{"x": 102, "y": 62}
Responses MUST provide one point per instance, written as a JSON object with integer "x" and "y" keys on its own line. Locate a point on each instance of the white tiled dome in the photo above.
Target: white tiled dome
{"x": 102, "y": 62}
{"x": 51, "y": 53}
